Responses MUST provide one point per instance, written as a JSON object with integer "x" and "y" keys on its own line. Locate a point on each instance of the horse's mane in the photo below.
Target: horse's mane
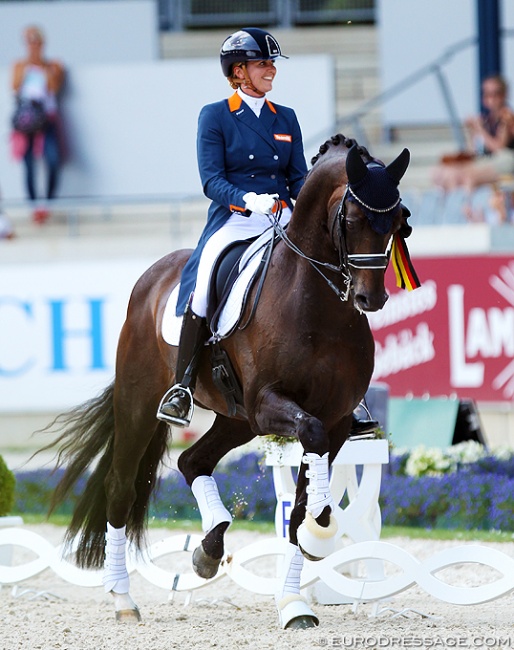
{"x": 339, "y": 140}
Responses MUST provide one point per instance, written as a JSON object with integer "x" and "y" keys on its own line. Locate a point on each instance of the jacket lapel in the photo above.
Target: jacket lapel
{"x": 261, "y": 125}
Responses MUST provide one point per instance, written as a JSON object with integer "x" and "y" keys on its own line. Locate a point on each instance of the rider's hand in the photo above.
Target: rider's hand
{"x": 261, "y": 203}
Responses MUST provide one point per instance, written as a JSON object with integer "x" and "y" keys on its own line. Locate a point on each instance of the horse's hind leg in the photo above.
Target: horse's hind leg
{"x": 197, "y": 464}
{"x": 140, "y": 441}
{"x": 128, "y": 484}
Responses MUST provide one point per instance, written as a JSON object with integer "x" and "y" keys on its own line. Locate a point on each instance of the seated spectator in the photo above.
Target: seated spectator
{"x": 491, "y": 144}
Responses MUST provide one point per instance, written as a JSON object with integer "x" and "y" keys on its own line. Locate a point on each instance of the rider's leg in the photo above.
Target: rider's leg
{"x": 363, "y": 425}
{"x": 360, "y": 427}
{"x": 177, "y": 405}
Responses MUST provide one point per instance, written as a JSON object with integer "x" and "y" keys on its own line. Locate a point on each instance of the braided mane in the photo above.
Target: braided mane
{"x": 339, "y": 140}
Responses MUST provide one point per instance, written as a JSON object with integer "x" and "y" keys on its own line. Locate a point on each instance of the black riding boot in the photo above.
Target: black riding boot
{"x": 362, "y": 427}
{"x": 176, "y": 406}
{"x": 365, "y": 427}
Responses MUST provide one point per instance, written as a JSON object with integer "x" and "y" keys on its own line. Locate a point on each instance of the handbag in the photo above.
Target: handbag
{"x": 458, "y": 158}
{"x": 29, "y": 116}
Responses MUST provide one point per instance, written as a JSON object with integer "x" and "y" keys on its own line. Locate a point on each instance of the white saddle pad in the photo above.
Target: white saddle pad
{"x": 231, "y": 313}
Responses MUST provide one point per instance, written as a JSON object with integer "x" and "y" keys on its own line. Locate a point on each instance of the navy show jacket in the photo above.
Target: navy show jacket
{"x": 239, "y": 152}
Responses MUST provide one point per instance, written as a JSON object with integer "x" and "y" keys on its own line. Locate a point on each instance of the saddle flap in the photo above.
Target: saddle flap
{"x": 232, "y": 277}
{"x": 223, "y": 275}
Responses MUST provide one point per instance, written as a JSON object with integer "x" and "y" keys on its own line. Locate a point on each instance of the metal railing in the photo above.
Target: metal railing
{"x": 179, "y": 15}
{"x": 74, "y": 208}
{"x": 435, "y": 68}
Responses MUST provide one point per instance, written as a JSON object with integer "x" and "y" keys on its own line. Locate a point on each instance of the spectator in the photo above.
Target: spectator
{"x": 491, "y": 143}
{"x": 39, "y": 79}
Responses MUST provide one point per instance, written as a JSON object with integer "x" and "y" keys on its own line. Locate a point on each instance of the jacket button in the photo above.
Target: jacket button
{"x": 275, "y": 157}
{"x": 273, "y": 176}
{"x": 251, "y": 156}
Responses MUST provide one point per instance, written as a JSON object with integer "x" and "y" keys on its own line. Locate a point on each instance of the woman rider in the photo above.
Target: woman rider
{"x": 250, "y": 153}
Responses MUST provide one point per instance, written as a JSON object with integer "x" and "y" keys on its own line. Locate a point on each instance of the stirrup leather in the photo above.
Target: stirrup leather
{"x": 178, "y": 421}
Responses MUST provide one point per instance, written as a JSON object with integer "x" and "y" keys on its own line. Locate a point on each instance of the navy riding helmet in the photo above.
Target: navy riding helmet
{"x": 248, "y": 44}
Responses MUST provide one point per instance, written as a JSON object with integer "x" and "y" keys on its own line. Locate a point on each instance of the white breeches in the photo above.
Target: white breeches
{"x": 236, "y": 228}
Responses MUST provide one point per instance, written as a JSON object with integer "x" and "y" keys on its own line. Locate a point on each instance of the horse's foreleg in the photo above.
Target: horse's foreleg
{"x": 293, "y": 610}
{"x": 197, "y": 464}
{"x": 313, "y": 526}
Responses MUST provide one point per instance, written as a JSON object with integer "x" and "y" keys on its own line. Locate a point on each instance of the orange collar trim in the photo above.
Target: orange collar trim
{"x": 234, "y": 102}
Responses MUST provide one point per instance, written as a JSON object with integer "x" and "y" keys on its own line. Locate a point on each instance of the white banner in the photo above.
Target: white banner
{"x": 59, "y": 328}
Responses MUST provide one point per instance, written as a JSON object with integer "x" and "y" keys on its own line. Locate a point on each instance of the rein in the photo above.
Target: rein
{"x": 342, "y": 268}
{"x": 346, "y": 260}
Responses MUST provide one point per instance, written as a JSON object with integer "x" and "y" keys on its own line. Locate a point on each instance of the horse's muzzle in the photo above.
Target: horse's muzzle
{"x": 370, "y": 302}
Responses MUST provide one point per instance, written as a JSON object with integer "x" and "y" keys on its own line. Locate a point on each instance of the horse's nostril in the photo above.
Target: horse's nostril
{"x": 366, "y": 303}
{"x": 362, "y": 301}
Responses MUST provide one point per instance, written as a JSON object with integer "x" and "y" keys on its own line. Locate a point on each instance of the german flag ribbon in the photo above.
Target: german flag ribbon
{"x": 406, "y": 276}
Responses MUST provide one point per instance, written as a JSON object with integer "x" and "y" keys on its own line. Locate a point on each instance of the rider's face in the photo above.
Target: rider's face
{"x": 261, "y": 74}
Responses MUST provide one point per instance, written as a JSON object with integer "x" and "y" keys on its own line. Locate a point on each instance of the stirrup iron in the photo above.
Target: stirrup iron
{"x": 171, "y": 419}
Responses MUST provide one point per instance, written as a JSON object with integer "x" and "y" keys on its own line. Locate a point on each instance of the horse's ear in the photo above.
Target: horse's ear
{"x": 356, "y": 168}
{"x": 398, "y": 167}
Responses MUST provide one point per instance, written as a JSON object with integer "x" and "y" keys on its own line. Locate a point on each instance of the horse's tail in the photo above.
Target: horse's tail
{"x": 87, "y": 431}
{"x": 87, "y": 437}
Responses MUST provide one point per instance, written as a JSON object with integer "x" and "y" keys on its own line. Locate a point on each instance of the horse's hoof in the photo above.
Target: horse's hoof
{"x": 302, "y": 623}
{"x": 204, "y": 565}
{"x": 294, "y": 613}
{"x": 128, "y": 616}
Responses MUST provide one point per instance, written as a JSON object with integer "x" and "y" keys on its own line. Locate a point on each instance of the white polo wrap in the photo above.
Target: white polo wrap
{"x": 211, "y": 507}
{"x": 115, "y": 577}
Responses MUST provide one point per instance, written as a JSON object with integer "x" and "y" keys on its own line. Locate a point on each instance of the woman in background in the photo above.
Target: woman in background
{"x": 491, "y": 141}
{"x": 38, "y": 79}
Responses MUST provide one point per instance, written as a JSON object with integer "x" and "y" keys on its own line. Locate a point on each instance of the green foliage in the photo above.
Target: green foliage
{"x": 7, "y": 484}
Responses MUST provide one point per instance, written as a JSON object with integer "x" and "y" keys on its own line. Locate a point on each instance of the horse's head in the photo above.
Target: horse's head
{"x": 370, "y": 213}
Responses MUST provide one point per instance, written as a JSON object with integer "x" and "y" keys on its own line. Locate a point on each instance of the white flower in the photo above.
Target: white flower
{"x": 503, "y": 453}
{"x": 425, "y": 461}
{"x": 468, "y": 451}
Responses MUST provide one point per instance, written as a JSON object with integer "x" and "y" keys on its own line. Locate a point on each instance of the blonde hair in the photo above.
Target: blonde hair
{"x": 235, "y": 82}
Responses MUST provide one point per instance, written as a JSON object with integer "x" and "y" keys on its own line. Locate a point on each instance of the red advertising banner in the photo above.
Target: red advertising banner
{"x": 453, "y": 335}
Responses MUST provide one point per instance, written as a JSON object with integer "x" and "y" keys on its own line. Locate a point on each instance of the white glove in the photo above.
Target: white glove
{"x": 261, "y": 203}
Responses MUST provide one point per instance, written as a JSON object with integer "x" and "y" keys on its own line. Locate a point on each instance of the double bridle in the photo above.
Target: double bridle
{"x": 374, "y": 261}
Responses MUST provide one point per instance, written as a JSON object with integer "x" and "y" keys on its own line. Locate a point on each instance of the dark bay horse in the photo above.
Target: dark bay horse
{"x": 304, "y": 362}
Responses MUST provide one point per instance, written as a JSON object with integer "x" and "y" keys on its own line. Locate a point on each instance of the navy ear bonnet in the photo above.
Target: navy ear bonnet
{"x": 374, "y": 187}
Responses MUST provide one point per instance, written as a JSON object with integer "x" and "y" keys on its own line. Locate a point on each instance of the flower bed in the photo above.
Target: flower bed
{"x": 458, "y": 487}
{"x": 461, "y": 487}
